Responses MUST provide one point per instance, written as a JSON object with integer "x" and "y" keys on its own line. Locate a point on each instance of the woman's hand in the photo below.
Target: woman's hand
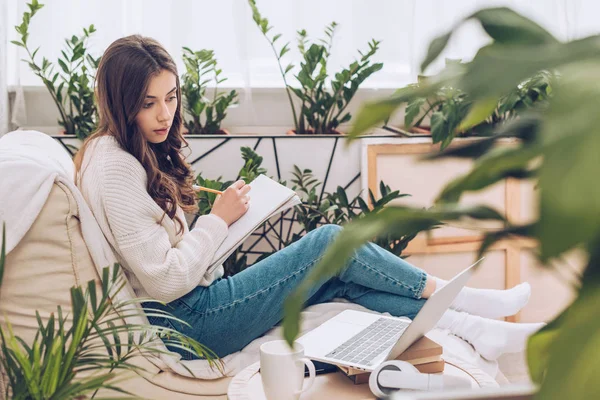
{"x": 233, "y": 203}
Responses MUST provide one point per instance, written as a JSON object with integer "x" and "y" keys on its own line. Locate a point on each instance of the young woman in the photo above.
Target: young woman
{"x": 138, "y": 185}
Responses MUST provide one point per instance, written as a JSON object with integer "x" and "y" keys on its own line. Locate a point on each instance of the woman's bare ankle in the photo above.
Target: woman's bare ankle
{"x": 430, "y": 286}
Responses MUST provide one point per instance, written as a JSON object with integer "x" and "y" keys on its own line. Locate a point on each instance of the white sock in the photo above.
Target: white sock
{"x": 490, "y": 338}
{"x": 489, "y": 303}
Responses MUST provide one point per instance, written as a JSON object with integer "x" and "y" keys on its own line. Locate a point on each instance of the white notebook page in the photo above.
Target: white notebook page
{"x": 267, "y": 198}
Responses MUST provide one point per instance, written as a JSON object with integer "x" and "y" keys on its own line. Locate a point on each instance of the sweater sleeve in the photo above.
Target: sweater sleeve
{"x": 165, "y": 272}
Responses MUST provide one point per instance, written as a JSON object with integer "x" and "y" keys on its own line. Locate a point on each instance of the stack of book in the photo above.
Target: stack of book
{"x": 424, "y": 354}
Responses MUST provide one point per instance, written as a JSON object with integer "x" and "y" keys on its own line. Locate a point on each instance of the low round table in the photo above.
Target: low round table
{"x": 247, "y": 385}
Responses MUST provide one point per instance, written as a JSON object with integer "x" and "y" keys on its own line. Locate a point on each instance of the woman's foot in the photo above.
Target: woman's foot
{"x": 489, "y": 303}
{"x": 490, "y": 338}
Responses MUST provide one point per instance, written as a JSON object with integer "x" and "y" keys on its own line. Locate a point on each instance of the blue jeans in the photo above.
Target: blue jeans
{"x": 232, "y": 312}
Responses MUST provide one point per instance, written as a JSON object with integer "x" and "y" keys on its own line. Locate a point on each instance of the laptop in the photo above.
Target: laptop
{"x": 363, "y": 340}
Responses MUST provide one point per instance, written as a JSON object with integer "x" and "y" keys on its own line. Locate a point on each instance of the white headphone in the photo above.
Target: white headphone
{"x": 394, "y": 375}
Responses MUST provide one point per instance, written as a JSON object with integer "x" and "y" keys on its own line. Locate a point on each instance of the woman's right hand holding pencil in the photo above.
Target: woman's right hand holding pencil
{"x": 233, "y": 203}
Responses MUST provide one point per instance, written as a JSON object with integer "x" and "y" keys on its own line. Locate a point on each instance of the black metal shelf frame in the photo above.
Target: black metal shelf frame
{"x": 276, "y": 231}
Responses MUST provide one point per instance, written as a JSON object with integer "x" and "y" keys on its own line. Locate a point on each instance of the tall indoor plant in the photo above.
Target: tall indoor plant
{"x": 206, "y": 114}
{"x": 322, "y": 110}
{"x": 557, "y": 147}
{"x": 72, "y": 85}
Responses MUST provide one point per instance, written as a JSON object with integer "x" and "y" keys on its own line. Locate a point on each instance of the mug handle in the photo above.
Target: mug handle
{"x": 311, "y": 374}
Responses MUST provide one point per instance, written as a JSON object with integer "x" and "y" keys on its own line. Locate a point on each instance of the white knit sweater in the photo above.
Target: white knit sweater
{"x": 158, "y": 263}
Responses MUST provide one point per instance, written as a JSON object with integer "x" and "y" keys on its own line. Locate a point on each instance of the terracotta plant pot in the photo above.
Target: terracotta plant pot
{"x": 219, "y": 132}
{"x": 310, "y": 131}
{"x": 421, "y": 129}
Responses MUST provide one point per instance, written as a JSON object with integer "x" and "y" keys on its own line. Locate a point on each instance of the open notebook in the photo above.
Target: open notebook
{"x": 267, "y": 198}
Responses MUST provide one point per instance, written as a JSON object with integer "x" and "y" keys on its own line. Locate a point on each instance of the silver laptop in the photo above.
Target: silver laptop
{"x": 364, "y": 340}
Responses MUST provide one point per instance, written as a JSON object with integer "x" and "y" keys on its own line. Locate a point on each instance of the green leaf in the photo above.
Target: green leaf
{"x": 412, "y": 110}
{"x": 525, "y": 128}
{"x": 359, "y": 232}
{"x": 503, "y": 25}
{"x": 3, "y": 253}
{"x": 105, "y": 282}
{"x": 116, "y": 339}
{"x": 570, "y": 195}
{"x": 491, "y": 238}
{"x": 370, "y": 115}
{"x": 538, "y": 349}
{"x": 497, "y": 165}
{"x": 506, "y": 26}
{"x": 50, "y": 379}
{"x": 569, "y": 212}
{"x": 284, "y": 50}
{"x": 115, "y": 273}
{"x": 573, "y": 357}
{"x": 59, "y": 92}
{"x": 376, "y": 112}
{"x": 342, "y": 196}
{"x": 497, "y": 69}
{"x": 478, "y": 113}
{"x": 383, "y": 189}
{"x": 372, "y": 197}
{"x": 435, "y": 48}
{"x": 363, "y": 206}
{"x": 473, "y": 149}
{"x": 63, "y": 66}
{"x": 437, "y": 127}
{"x": 92, "y": 293}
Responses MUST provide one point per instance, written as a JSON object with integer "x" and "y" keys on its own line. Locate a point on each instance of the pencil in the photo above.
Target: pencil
{"x": 202, "y": 188}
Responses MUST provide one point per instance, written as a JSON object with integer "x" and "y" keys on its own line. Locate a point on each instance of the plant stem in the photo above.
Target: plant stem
{"x": 70, "y": 101}
{"x": 46, "y": 83}
{"x": 316, "y": 210}
{"x": 214, "y": 101}
{"x": 337, "y": 93}
{"x": 198, "y": 123}
{"x": 427, "y": 112}
{"x": 341, "y": 110}
{"x": 287, "y": 86}
{"x": 215, "y": 93}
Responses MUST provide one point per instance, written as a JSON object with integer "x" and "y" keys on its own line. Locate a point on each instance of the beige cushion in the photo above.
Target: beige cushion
{"x": 53, "y": 257}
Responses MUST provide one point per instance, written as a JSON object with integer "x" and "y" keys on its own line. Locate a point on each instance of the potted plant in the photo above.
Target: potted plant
{"x": 71, "y": 87}
{"x": 201, "y": 69}
{"x": 556, "y": 146}
{"x": 448, "y": 106}
{"x": 76, "y": 354}
{"x": 322, "y": 110}
{"x": 337, "y": 208}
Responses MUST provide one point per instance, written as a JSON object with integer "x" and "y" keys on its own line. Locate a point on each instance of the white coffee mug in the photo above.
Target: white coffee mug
{"x": 282, "y": 370}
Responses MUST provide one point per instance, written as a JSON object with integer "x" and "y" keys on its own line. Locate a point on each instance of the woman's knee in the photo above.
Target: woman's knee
{"x": 328, "y": 232}
{"x": 320, "y": 238}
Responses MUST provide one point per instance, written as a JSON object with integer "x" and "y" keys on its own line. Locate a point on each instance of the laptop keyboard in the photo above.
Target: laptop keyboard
{"x": 367, "y": 344}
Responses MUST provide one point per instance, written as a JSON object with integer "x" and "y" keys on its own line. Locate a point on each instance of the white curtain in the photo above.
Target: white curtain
{"x": 405, "y": 27}
{"x": 3, "y": 78}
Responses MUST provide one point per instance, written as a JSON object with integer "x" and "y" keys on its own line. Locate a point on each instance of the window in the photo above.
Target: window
{"x": 404, "y": 27}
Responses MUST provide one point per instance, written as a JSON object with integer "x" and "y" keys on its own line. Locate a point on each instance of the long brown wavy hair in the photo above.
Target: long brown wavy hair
{"x": 122, "y": 81}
